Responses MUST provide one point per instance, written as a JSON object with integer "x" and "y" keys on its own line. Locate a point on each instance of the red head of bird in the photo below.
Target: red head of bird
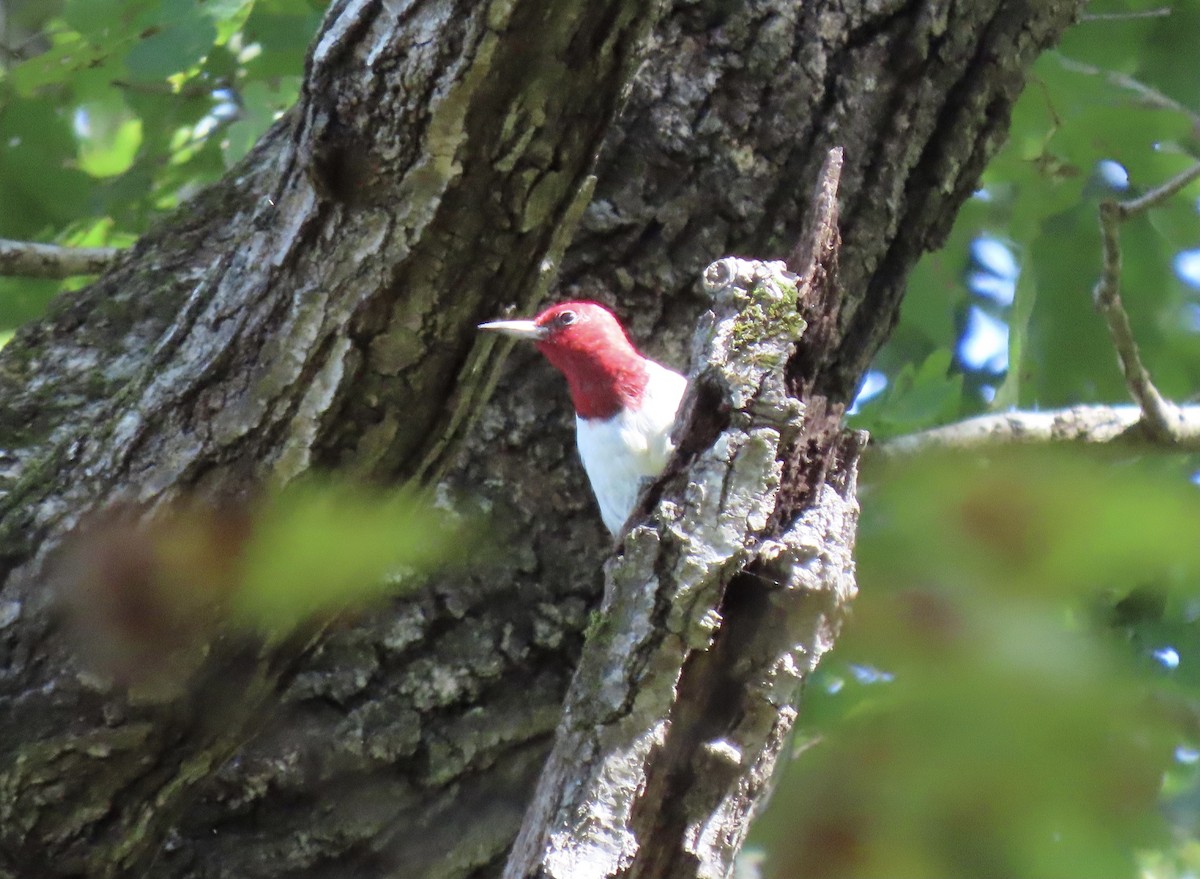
{"x": 625, "y": 403}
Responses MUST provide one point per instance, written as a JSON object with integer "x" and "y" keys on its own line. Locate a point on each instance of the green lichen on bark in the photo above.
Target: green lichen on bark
{"x": 768, "y": 309}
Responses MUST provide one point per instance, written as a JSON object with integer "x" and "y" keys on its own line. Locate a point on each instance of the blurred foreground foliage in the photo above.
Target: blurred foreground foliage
{"x": 319, "y": 547}
{"x": 1015, "y": 693}
{"x": 148, "y": 592}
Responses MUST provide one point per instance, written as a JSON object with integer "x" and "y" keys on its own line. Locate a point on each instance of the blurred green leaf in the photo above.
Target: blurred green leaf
{"x": 39, "y": 186}
{"x": 992, "y": 773}
{"x": 1170, "y": 38}
{"x": 261, "y": 103}
{"x": 283, "y": 29}
{"x": 1055, "y": 522}
{"x": 226, "y": 10}
{"x": 1009, "y": 734}
{"x": 102, "y": 21}
{"x": 180, "y": 36}
{"x": 22, "y": 300}
{"x": 69, "y": 55}
{"x": 917, "y": 397}
{"x": 320, "y": 548}
{"x": 111, "y": 141}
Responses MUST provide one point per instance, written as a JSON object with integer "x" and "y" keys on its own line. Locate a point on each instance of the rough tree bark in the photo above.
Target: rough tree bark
{"x": 316, "y": 309}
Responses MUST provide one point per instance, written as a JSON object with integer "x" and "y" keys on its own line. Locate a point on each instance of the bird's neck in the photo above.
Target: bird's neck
{"x": 602, "y": 386}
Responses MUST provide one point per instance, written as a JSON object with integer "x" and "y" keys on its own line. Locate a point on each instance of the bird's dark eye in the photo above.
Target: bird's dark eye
{"x": 567, "y": 318}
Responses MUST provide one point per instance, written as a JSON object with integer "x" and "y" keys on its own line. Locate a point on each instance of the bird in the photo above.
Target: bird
{"x": 625, "y": 403}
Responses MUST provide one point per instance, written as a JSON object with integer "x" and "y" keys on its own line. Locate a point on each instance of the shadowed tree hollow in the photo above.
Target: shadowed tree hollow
{"x": 315, "y": 310}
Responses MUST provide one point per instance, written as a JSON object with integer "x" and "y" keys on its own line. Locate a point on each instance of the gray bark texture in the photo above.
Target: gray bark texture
{"x": 316, "y": 309}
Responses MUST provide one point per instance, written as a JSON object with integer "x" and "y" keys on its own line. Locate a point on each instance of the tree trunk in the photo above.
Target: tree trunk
{"x": 317, "y": 308}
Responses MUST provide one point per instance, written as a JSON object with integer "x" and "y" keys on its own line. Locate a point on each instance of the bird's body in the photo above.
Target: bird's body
{"x": 620, "y": 451}
{"x": 625, "y": 404}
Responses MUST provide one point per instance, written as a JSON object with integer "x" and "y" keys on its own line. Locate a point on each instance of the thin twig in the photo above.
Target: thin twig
{"x": 34, "y": 260}
{"x": 1161, "y": 12}
{"x": 1135, "y": 206}
{"x": 1078, "y": 425}
{"x": 1150, "y": 97}
{"x": 1156, "y": 412}
{"x": 166, "y": 89}
{"x": 1160, "y": 417}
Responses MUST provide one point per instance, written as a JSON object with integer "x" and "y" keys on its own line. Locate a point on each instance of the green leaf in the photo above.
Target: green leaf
{"x": 103, "y": 22}
{"x": 916, "y": 398}
{"x": 22, "y": 300}
{"x": 39, "y": 188}
{"x": 112, "y": 139}
{"x": 322, "y": 548}
{"x": 225, "y": 10}
{"x": 179, "y": 38}
{"x": 283, "y": 29}
{"x": 229, "y": 16}
{"x": 1037, "y": 520}
{"x": 1011, "y": 734}
{"x": 68, "y": 55}
{"x": 1171, "y": 38}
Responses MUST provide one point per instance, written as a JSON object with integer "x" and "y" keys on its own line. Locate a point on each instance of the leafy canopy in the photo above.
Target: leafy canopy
{"x": 113, "y": 111}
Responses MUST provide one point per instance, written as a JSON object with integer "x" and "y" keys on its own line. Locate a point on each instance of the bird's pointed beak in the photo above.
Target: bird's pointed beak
{"x": 521, "y": 329}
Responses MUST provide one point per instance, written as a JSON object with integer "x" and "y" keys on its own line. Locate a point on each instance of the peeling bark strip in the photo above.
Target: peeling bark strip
{"x": 716, "y": 608}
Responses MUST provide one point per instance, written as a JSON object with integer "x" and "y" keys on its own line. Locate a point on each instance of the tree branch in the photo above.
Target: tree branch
{"x": 1161, "y": 12}
{"x": 1160, "y": 416}
{"x": 1150, "y": 97}
{"x": 36, "y": 260}
{"x": 1078, "y": 425}
{"x": 1134, "y": 206}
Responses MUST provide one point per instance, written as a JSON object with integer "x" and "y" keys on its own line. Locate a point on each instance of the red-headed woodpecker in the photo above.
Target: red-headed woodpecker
{"x": 625, "y": 403}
